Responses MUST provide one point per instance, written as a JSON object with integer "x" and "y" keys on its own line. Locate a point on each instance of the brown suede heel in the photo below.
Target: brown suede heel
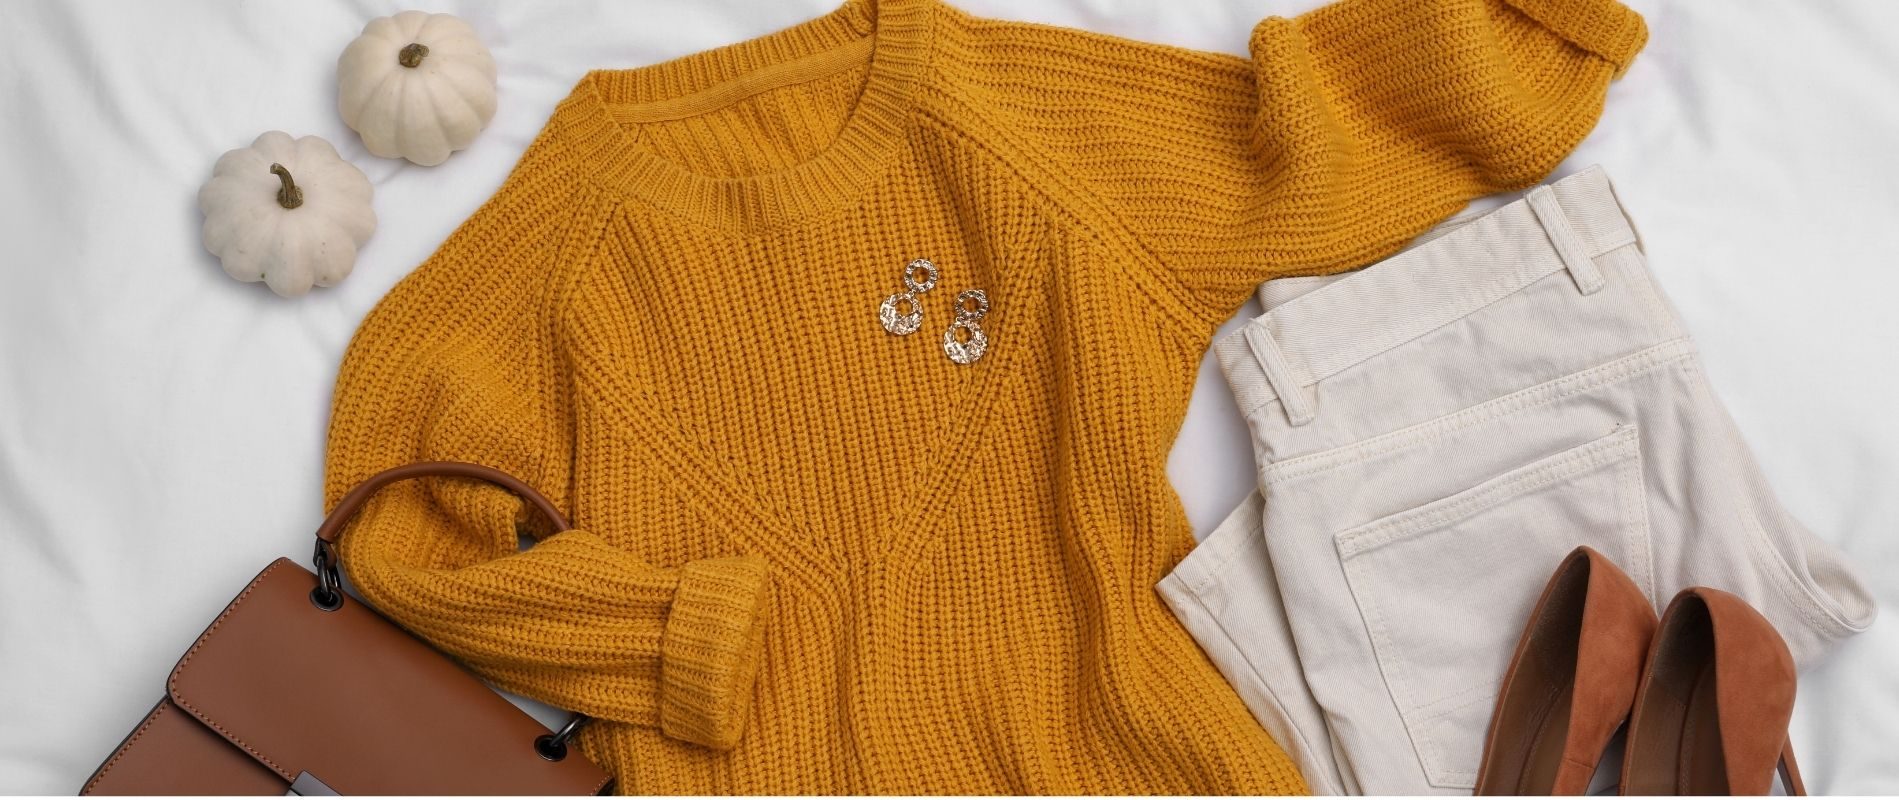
{"x": 1571, "y": 682}
{"x": 1711, "y": 716}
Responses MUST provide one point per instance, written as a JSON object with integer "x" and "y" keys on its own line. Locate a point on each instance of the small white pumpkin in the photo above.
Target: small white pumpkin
{"x": 288, "y": 212}
{"x": 416, "y": 85}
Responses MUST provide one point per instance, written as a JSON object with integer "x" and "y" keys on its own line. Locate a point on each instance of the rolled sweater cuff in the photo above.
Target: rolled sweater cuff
{"x": 711, "y": 649}
{"x": 1604, "y": 27}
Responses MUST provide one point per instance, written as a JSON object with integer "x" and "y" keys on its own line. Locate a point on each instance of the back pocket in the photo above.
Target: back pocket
{"x": 1446, "y": 588}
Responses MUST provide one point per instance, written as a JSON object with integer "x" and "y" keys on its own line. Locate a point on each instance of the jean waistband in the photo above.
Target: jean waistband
{"x": 1279, "y": 355}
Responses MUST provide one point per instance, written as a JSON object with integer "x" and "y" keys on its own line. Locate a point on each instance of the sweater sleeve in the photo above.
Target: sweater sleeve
{"x": 458, "y": 362}
{"x": 1351, "y": 129}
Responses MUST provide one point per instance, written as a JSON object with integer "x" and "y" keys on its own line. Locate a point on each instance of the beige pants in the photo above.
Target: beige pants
{"x": 1433, "y": 434}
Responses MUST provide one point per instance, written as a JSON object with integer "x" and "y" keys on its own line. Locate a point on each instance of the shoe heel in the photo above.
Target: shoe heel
{"x": 1790, "y": 771}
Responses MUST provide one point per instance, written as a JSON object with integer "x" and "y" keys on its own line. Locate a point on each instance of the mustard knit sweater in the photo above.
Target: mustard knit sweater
{"x": 811, "y": 556}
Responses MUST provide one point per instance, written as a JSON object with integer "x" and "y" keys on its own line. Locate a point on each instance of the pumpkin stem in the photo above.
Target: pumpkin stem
{"x": 412, "y": 55}
{"x": 291, "y": 195}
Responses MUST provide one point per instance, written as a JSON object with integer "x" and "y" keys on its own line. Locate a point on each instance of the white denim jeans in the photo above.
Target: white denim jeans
{"x": 1433, "y": 435}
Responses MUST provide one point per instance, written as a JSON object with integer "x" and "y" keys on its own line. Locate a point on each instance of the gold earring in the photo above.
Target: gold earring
{"x": 904, "y": 323}
{"x": 971, "y": 305}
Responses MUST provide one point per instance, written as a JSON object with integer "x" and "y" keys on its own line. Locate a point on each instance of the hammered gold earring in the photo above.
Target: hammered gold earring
{"x": 919, "y": 276}
{"x": 964, "y": 341}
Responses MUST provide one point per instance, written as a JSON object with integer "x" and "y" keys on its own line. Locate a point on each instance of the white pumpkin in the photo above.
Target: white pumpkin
{"x": 416, "y": 85}
{"x": 288, "y": 212}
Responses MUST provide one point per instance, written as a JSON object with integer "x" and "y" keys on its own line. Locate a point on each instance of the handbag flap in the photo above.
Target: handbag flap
{"x": 357, "y": 703}
{"x": 171, "y": 752}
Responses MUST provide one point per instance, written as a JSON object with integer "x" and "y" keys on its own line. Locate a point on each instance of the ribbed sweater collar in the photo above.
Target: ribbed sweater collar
{"x": 893, "y": 35}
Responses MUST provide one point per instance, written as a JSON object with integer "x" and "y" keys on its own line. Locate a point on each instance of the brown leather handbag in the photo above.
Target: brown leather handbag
{"x": 298, "y": 687}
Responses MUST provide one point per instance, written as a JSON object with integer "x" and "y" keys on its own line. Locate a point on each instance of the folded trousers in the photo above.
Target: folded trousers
{"x": 1433, "y": 434}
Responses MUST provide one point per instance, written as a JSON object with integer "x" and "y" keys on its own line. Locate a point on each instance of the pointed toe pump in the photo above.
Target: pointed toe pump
{"x": 1711, "y": 715}
{"x": 1571, "y": 683}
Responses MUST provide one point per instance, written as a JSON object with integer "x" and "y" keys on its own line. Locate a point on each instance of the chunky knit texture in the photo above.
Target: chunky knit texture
{"x": 814, "y": 557}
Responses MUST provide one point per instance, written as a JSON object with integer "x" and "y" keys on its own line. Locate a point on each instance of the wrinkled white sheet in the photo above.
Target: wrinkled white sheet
{"x": 161, "y": 426}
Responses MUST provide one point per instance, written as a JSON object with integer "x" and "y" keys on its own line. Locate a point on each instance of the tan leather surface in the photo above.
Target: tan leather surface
{"x": 171, "y": 753}
{"x": 1715, "y": 701}
{"x": 1618, "y": 624}
{"x": 1523, "y": 752}
{"x": 1755, "y": 681}
{"x": 277, "y": 687}
{"x": 1571, "y": 682}
{"x": 357, "y": 702}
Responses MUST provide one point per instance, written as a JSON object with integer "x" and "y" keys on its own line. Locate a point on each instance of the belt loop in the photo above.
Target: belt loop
{"x": 1272, "y": 361}
{"x": 1569, "y": 245}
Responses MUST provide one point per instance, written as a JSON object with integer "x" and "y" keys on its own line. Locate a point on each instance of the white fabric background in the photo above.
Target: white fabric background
{"x": 161, "y": 426}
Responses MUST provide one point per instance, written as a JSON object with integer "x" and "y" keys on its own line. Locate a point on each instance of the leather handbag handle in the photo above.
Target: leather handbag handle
{"x": 353, "y": 501}
{"x": 329, "y": 593}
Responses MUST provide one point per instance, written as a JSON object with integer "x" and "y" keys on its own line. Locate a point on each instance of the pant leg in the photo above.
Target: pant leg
{"x": 1225, "y": 595}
